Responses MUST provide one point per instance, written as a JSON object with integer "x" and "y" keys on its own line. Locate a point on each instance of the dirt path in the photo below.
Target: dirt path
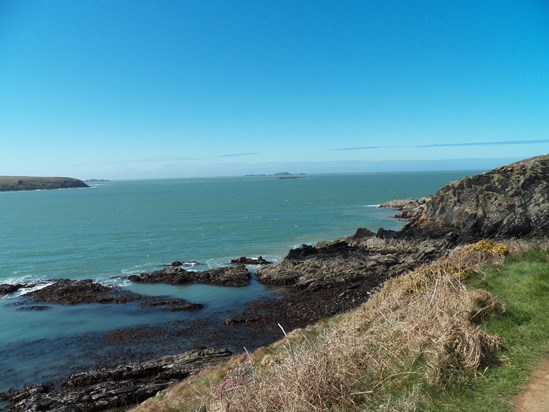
{"x": 535, "y": 396}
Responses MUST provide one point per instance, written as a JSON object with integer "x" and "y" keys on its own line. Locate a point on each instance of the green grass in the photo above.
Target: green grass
{"x": 522, "y": 284}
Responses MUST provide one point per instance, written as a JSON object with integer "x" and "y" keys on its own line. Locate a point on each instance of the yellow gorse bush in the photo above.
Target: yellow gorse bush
{"x": 489, "y": 247}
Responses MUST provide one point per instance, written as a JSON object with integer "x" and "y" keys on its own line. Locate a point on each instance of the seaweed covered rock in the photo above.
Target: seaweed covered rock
{"x": 236, "y": 276}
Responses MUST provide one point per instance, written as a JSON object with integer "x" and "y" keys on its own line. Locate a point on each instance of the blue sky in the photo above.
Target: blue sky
{"x": 136, "y": 89}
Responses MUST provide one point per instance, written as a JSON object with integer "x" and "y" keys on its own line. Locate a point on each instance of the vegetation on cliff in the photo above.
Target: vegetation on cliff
{"x": 18, "y": 183}
{"x": 458, "y": 334}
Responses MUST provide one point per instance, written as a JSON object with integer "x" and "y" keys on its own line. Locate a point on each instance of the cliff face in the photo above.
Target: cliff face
{"x": 508, "y": 201}
{"x": 16, "y": 183}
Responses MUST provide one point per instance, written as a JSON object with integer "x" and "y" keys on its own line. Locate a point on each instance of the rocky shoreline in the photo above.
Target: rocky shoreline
{"x": 315, "y": 282}
{"x": 311, "y": 282}
{"x": 108, "y": 388}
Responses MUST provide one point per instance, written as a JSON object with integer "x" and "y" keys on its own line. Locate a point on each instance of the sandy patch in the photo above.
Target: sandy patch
{"x": 535, "y": 395}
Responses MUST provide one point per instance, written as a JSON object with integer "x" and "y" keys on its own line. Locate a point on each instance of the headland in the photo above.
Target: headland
{"x": 19, "y": 183}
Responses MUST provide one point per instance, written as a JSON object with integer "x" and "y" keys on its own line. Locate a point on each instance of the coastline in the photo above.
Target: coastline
{"x": 314, "y": 283}
{"x": 293, "y": 305}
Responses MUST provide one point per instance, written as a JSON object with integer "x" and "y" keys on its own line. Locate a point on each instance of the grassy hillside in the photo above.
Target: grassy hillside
{"x": 462, "y": 333}
{"x": 16, "y": 183}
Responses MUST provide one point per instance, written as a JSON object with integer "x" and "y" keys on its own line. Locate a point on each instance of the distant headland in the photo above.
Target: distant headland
{"x": 18, "y": 183}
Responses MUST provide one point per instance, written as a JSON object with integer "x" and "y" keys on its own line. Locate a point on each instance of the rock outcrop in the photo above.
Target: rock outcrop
{"x": 243, "y": 260}
{"x": 108, "y": 388}
{"x": 75, "y": 292}
{"x": 352, "y": 260}
{"x": 18, "y": 183}
{"x": 510, "y": 201}
{"x": 236, "y": 276}
{"x": 408, "y": 207}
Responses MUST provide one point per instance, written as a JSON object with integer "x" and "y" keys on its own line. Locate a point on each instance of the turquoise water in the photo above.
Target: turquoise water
{"x": 118, "y": 228}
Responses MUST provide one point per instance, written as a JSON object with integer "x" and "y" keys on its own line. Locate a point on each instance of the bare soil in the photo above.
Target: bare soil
{"x": 535, "y": 395}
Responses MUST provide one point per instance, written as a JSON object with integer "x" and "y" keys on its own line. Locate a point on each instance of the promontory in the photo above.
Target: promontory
{"x": 17, "y": 183}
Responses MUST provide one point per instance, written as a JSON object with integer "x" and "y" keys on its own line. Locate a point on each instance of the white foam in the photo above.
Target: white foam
{"x": 24, "y": 291}
{"x": 378, "y": 205}
{"x": 138, "y": 269}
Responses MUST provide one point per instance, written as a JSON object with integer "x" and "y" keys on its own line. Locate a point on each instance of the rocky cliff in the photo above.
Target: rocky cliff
{"x": 17, "y": 183}
{"x": 508, "y": 201}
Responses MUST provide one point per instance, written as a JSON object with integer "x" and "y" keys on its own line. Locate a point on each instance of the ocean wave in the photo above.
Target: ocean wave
{"x": 116, "y": 281}
{"x": 145, "y": 267}
{"x": 375, "y": 206}
{"x": 24, "y": 291}
{"x": 26, "y": 279}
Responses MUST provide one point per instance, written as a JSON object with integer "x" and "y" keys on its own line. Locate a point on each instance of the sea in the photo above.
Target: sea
{"x": 117, "y": 228}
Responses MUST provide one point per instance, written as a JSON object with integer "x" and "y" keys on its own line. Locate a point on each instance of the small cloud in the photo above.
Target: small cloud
{"x": 358, "y": 148}
{"x": 502, "y": 143}
{"x": 235, "y": 155}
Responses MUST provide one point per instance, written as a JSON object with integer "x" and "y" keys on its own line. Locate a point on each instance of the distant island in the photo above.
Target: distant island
{"x": 18, "y": 183}
{"x": 96, "y": 180}
{"x": 281, "y": 175}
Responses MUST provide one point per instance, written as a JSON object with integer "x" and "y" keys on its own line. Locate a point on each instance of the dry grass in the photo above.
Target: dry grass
{"x": 419, "y": 329}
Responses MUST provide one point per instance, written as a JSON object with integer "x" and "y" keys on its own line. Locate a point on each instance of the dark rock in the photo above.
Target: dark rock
{"x": 235, "y": 276}
{"x": 6, "y": 289}
{"x": 301, "y": 252}
{"x": 185, "y": 263}
{"x": 240, "y": 321}
{"x": 76, "y": 292}
{"x": 362, "y": 233}
{"x": 34, "y": 308}
{"x": 243, "y": 260}
{"x": 108, "y": 388}
{"x": 356, "y": 260}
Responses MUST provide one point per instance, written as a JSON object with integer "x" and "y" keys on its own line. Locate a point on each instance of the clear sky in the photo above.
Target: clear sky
{"x": 136, "y": 89}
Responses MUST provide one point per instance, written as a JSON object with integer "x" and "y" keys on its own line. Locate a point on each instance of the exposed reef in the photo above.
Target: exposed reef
{"x": 243, "y": 260}
{"x": 236, "y": 276}
{"x": 76, "y": 292}
{"x": 6, "y": 289}
{"x": 18, "y": 183}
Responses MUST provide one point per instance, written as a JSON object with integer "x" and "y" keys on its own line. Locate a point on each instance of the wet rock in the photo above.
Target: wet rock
{"x": 243, "y": 260}
{"x": 76, "y": 292}
{"x": 108, "y": 388}
{"x": 184, "y": 263}
{"x": 170, "y": 304}
{"x": 240, "y": 321}
{"x": 236, "y": 276}
{"x": 34, "y": 308}
{"x": 6, "y": 289}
